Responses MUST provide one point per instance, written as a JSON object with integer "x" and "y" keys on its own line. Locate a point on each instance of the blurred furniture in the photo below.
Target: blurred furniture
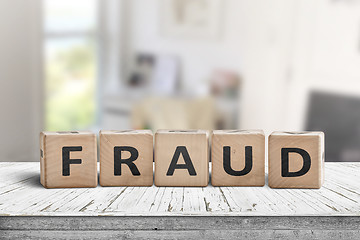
{"x": 339, "y": 117}
{"x": 133, "y": 110}
{"x": 27, "y": 210}
{"x": 174, "y": 113}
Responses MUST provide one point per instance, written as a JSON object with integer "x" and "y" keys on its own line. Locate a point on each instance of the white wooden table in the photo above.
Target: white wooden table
{"x": 29, "y": 210}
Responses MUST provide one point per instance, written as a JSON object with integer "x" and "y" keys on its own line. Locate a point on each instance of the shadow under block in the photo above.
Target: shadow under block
{"x": 181, "y": 158}
{"x": 68, "y": 159}
{"x": 296, "y": 159}
{"x": 126, "y": 158}
{"x": 238, "y": 158}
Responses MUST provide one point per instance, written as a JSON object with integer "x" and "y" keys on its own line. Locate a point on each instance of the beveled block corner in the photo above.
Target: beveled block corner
{"x": 296, "y": 159}
{"x": 68, "y": 159}
{"x": 238, "y": 158}
{"x": 126, "y": 158}
{"x": 182, "y": 158}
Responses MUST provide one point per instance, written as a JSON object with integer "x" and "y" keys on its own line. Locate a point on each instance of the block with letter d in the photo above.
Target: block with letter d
{"x": 296, "y": 159}
{"x": 181, "y": 158}
{"x": 238, "y": 158}
{"x": 126, "y": 158}
{"x": 68, "y": 159}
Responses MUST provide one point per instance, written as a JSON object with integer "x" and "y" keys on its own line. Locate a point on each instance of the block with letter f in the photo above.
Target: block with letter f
{"x": 68, "y": 159}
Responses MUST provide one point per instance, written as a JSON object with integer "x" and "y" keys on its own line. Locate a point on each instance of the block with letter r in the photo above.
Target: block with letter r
{"x": 296, "y": 159}
{"x": 68, "y": 159}
{"x": 126, "y": 158}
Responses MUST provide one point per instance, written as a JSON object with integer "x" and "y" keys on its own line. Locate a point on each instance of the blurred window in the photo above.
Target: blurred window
{"x": 70, "y": 64}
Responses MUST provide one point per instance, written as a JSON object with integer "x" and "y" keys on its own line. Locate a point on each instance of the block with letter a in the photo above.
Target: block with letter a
{"x": 68, "y": 159}
{"x": 181, "y": 158}
{"x": 238, "y": 158}
{"x": 126, "y": 158}
{"x": 296, "y": 159}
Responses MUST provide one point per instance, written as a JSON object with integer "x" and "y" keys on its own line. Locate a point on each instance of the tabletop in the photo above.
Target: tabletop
{"x": 21, "y": 194}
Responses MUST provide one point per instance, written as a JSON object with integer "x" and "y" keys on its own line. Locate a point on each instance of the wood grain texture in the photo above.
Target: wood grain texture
{"x": 196, "y": 144}
{"x": 312, "y": 143}
{"x": 21, "y": 194}
{"x": 142, "y": 141}
{"x": 237, "y": 140}
{"x": 51, "y": 159}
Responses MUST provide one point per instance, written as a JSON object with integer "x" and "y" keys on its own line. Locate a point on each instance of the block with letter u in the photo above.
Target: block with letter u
{"x": 238, "y": 158}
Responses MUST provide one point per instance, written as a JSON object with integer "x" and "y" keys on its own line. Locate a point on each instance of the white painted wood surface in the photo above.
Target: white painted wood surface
{"x": 22, "y": 195}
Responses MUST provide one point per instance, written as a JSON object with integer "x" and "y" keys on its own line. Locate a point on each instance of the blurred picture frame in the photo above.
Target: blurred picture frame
{"x": 142, "y": 71}
{"x": 191, "y": 18}
{"x": 166, "y": 75}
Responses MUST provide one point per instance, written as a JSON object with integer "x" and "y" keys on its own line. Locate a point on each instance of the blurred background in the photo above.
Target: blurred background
{"x": 182, "y": 64}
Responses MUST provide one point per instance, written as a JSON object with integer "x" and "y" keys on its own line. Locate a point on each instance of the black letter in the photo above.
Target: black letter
{"x": 118, "y": 160}
{"x": 285, "y": 162}
{"x": 188, "y": 164}
{"x": 248, "y": 162}
{"x": 67, "y": 161}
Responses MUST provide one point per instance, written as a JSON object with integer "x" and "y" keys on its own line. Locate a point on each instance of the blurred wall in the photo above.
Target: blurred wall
{"x": 20, "y": 79}
{"x": 254, "y": 40}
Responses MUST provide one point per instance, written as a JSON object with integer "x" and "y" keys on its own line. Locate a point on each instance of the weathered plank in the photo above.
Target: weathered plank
{"x": 180, "y": 227}
{"x": 160, "y": 223}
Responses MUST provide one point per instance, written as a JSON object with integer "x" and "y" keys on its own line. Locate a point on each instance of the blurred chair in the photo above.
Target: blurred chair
{"x": 339, "y": 117}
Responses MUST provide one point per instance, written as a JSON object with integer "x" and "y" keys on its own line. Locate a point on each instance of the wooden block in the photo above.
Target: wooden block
{"x": 238, "y": 158}
{"x": 126, "y": 158}
{"x": 68, "y": 159}
{"x": 181, "y": 158}
{"x": 296, "y": 159}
